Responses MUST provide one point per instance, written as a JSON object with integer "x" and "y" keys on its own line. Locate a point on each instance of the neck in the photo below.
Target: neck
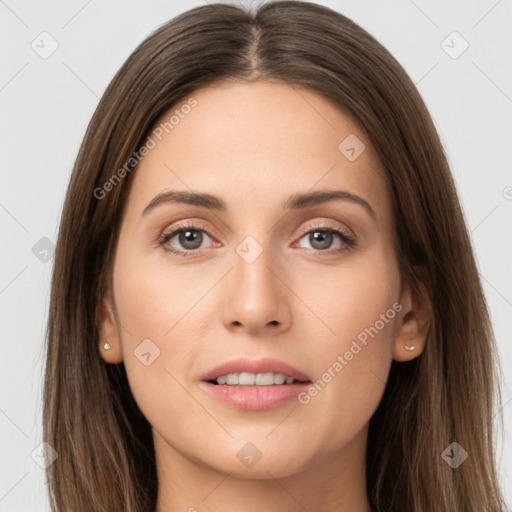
{"x": 334, "y": 482}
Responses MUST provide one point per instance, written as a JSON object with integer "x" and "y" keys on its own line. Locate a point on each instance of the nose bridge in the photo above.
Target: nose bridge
{"x": 257, "y": 296}
{"x": 252, "y": 272}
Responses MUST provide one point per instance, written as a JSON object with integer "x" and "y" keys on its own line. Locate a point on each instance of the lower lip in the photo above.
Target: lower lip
{"x": 254, "y": 398}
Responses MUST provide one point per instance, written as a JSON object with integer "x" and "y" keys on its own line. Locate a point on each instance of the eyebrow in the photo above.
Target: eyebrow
{"x": 294, "y": 202}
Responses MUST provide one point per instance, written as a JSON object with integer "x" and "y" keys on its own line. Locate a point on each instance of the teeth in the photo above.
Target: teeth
{"x": 232, "y": 378}
{"x": 279, "y": 378}
{"x": 246, "y": 379}
{"x": 254, "y": 379}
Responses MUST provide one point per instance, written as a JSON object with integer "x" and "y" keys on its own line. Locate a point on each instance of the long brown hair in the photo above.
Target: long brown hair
{"x": 448, "y": 394}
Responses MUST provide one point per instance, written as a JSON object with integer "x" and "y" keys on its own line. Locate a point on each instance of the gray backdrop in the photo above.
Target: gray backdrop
{"x": 57, "y": 59}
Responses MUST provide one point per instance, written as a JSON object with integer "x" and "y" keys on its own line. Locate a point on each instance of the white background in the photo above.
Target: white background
{"x": 46, "y": 104}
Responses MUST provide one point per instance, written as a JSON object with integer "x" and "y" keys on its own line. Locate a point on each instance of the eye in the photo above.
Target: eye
{"x": 322, "y": 237}
{"x": 189, "y": 236}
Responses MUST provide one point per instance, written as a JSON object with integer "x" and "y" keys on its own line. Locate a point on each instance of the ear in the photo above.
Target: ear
{"x": 108, "y": 333}
{"x": 413, "y": 322}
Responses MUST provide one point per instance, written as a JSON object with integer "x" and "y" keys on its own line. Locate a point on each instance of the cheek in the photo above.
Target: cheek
{"x": 340, "y": 302}
{"x": 153, "y": 297}
{"x": 356, "y": 311}
{"x": 154, "y": 311}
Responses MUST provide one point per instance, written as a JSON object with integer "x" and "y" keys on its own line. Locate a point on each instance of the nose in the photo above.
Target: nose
{"x": 257, "y": 300}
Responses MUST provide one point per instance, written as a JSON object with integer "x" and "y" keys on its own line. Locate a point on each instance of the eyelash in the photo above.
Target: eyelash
{"x": 326, "y": 227}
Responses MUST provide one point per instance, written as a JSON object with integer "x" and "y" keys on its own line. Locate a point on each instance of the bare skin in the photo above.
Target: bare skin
{"x": 302, "y": 300}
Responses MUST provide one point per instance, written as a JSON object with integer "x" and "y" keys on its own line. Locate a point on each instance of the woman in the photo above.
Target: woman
{"x": 200, "y": 356}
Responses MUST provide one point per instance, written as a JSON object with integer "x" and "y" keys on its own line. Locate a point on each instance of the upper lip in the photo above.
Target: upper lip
{"x": 254, "y": 366}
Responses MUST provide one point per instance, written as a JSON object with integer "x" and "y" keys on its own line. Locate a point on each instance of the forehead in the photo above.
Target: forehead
{"x": 259, "y": 142}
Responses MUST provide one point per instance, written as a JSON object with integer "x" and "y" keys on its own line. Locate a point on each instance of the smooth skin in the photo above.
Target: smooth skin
{"x": 303, "y": 300}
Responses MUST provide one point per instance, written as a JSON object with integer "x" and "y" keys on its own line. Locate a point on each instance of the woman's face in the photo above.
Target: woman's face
{"x": 262, "y": 279}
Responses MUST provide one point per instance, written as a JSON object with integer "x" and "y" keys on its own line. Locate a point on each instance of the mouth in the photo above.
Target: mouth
{"x": 254, "y": 385}
{"x": 254, "y": 372}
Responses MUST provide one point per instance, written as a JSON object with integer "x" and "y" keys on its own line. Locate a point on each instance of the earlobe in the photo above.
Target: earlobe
{"x": 109, "y": 340}
{"x": 413, "y": 323}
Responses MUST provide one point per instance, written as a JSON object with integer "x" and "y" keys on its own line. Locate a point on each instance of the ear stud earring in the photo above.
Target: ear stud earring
{"x": 409, "y": 347}
{"x": 106, "y": 346}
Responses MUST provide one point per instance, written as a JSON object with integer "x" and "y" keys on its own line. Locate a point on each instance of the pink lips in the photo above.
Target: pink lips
{"x": 254, "y": 398}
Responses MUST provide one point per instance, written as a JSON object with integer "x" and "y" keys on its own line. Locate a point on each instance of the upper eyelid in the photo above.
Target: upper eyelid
{"x": 326, "y": 225}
